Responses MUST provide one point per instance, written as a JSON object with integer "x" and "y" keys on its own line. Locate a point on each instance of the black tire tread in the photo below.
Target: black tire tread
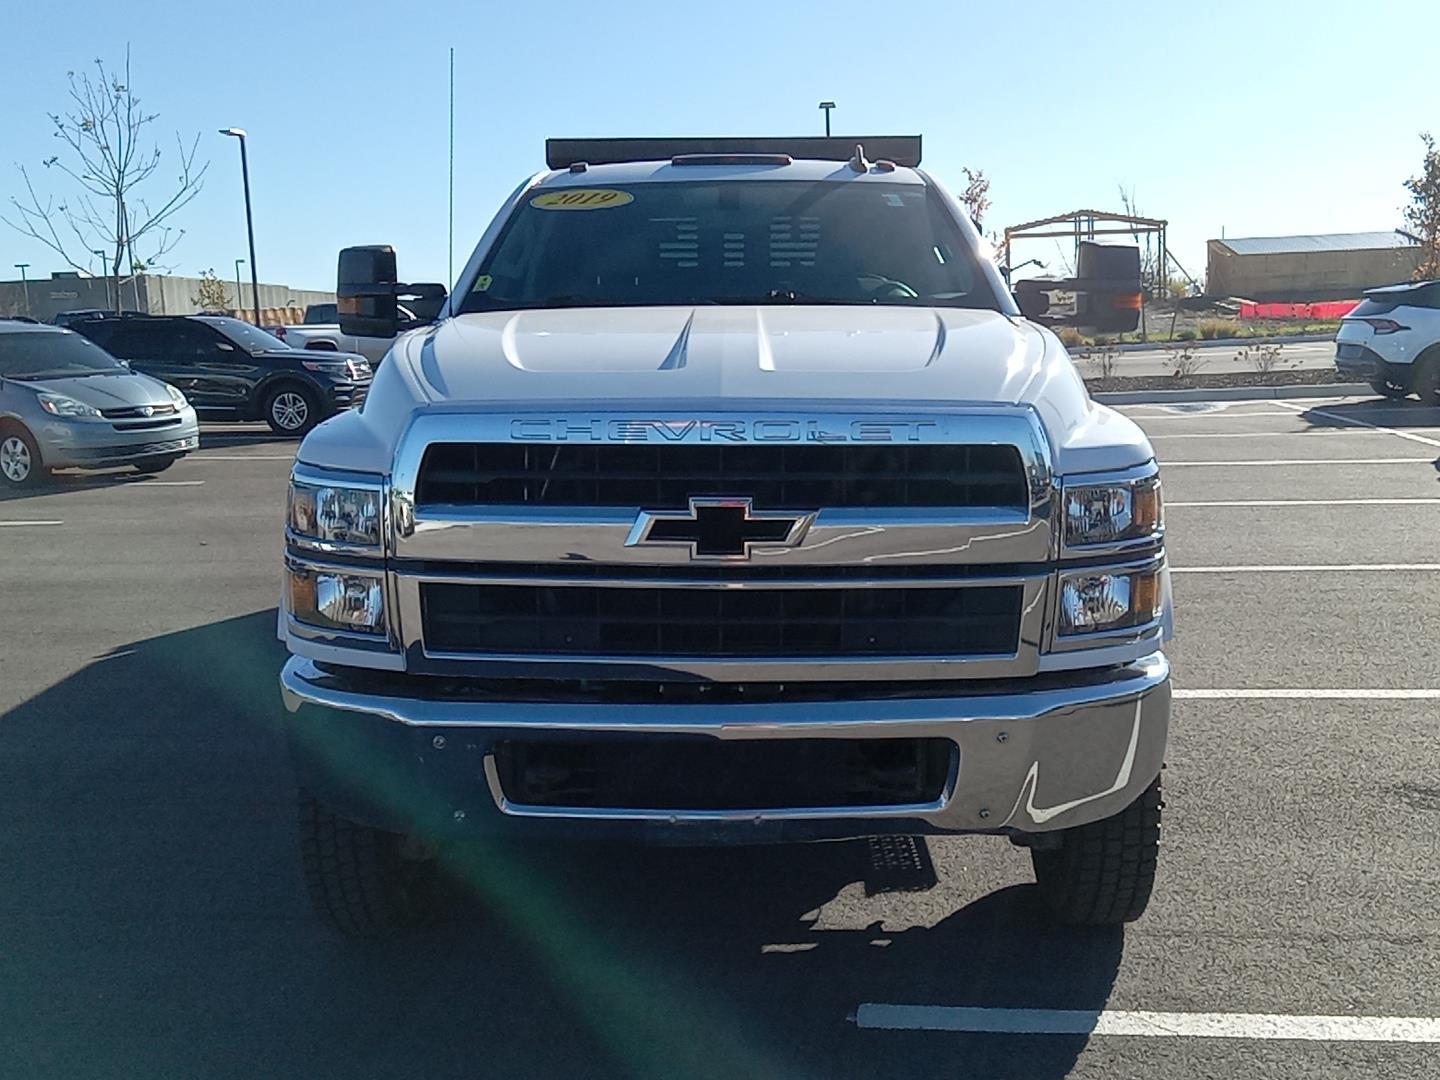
{"x": 353, "y": 873}
{"x": 1103, "y": 873}
{"x": 1385, "y": 388}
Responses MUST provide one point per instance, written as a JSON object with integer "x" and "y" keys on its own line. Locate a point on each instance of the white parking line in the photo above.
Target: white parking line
{"x": 1266, "y": 434}
{"x": 1307, "y": 568}
{"x": 1338, "y": 418}
{"x": 159, "y": 483}
{"x": 1147, "y": 417}
{"x": 1303, "y": 694}
{"x": 240, "y": 457}
{"x": 1308, "y": 502}
{"x": 26, "y": 524}
{"x": 1301, "y": 461}
{"x": 1164, "y": 1025}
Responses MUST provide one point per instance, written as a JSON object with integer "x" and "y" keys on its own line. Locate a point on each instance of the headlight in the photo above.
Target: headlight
{"x": 333, "y": 514}
{"x": 354, "y": 369}
{"x": 1092, "y": 601}
{"x": 176, "y": 396}
{"x": 337, "y": 600}
{"x": 60, "y": 405}
{"x": 1112, "y": 513}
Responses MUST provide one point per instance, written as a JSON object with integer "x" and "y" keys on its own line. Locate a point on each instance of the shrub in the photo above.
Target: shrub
{"x": 1211, "y": 329}
{"x": 1263, "y": 358}
{"x": 1186, "y": 335}
{"x": 1100, "y": 361}
{"x": 1070, "y": 337}
{"x": 1183, "y": 362}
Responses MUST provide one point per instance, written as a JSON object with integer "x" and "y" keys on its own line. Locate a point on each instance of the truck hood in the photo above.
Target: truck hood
{"x": 729, "y": 354}
{"x": 866, "y": 358}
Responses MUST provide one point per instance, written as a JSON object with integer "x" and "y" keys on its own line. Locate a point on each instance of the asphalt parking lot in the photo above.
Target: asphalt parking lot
{"x": 154, "y": 923}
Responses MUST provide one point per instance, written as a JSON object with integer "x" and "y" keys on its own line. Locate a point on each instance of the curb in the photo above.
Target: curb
{"x": 1234, "y": 393}
{"x": 1212, "y": 343}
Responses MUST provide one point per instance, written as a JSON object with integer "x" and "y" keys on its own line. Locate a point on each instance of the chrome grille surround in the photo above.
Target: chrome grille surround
{"x": 939, "y": 546}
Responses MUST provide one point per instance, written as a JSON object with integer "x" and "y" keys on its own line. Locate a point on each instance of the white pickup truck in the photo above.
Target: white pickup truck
{"x": 730, "y": 499}
{"x": 321, "y": 330}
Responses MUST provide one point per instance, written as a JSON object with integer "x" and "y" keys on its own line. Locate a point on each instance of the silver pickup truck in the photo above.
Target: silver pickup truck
{"x": 730, "y": 499}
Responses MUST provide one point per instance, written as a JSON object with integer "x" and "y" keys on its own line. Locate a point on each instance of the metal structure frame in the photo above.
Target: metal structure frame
{"x": 1088, "y": 225}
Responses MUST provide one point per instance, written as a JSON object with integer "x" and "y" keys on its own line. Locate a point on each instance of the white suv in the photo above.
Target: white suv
{"x": 1392, "y": 340}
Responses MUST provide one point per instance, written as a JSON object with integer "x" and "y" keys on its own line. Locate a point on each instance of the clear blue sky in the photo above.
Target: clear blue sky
{"x": 1259, "y": 117}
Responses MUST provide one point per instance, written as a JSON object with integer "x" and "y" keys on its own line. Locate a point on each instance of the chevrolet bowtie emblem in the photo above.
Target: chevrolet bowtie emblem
{"x": 721, "y": 528}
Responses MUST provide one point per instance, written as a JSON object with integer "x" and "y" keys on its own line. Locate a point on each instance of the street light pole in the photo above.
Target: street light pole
{"x": 827, "y": 106}
{"x": 239, "y": 296}
{"x": 24, "y": 284}
{"x": 106, "y": 275}
{"x": 239, "y": 133}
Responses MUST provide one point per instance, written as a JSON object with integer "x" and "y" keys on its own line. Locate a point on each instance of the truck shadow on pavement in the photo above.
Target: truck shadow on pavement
{"x": 156, "y": 924}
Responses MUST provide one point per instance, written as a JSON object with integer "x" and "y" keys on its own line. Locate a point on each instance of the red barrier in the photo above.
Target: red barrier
{"x": 1334, "y": 309}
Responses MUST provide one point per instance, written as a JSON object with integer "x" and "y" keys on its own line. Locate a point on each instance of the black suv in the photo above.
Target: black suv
{"x": 229, "y": 368}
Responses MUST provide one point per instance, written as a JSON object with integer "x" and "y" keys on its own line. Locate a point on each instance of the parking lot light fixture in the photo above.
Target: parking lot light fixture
{"x": 240, "y": 133}
{"x": 101, "y": 255}
{"x": 25, "y": 285}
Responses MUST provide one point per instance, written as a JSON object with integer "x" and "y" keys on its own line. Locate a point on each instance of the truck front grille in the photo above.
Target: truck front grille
{"x": 683, "y": 774}
{"x": 831, "y": 622}
{"x": 667, "y": 477}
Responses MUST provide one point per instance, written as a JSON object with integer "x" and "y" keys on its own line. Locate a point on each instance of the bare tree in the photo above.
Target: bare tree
{"x": 976, "y": 195}
{"x": 1423, "y": 213}
{"x": 107, "y": 155}
{"x": 1151, "y": 272}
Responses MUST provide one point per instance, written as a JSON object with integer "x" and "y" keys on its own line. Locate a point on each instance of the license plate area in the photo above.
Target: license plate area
{"x": 703, "y": 774}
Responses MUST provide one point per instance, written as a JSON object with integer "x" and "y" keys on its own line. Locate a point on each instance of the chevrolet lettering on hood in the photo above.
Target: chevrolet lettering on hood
{"x": 769, "y": 430}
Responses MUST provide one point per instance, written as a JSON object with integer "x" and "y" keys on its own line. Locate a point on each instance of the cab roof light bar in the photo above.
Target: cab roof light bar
{"x": 903, "y": 150}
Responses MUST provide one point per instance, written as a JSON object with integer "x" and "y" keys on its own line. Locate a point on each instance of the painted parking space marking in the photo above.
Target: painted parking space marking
{"x": 1309, "y": 568}
{"x": 1320, "y": 433}
{"x": 1263, "y": 462}
{"x": 1147, "y": 417}
{"x": 241, "y": 457}
{"x": 27, "y": 524}
{"x": 1293, "y": 693}
{"x": 1311, "y": 503}
{"x": 157, "y": 483}
{"x": 1146, "y": 1024}
{"x": 1350, "y": 420}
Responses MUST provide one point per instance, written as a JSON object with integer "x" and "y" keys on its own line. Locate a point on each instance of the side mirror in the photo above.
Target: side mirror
{"x": 368, "y": 292}
{"x": 1105, "y": 295}
{"x": 365, "y": 291}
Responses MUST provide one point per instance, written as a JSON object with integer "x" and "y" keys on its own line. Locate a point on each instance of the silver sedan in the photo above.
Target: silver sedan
{"x": 67, "y": 403}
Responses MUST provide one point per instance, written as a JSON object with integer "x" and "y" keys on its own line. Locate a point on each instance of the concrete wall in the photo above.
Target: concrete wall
{"x": 157, "y": 294}
{"x": 1305, "y": 276}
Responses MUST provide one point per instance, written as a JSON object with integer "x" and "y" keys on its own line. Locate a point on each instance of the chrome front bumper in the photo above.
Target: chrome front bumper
{"x": 1038, "y": 754}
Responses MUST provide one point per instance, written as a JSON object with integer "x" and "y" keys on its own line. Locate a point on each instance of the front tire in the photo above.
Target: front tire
{"x": 1386, "y": 388}
{"x": 291, "y": 410}
{"x": 1427, "y": 378}
{"x": 1102, "y": 873}
{"x": 360, "y": 880}
{"x": 20, "y": 466}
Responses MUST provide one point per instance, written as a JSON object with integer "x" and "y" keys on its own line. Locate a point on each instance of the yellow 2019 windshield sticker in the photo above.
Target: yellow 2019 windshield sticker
{"x": 582, "y": 199}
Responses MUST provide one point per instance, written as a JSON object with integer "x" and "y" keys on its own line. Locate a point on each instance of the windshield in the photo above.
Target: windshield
{"x": 54, "y": 355}
{"x": 731, "y": 242}
{"x": 250, "y": 338}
